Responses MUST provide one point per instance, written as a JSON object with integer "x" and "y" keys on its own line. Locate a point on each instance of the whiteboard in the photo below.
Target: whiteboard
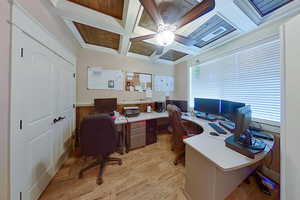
{"x": 164, "y": 83}
{"x": 105, "y": 79}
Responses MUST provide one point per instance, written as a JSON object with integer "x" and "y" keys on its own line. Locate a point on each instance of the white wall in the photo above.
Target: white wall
{"x": 290, "y": 98}
{"x": 181, "y": 81}
{"x": 92, "y": 58}
{"x": 43, "y": 12}
{"x": 5, "y": 14}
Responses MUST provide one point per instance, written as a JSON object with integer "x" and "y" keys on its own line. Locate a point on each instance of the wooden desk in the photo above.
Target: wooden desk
{"x": 213, "y": 171}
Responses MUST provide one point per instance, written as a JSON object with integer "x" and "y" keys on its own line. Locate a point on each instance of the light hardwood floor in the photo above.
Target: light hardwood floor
{"x": 146, "y": 174}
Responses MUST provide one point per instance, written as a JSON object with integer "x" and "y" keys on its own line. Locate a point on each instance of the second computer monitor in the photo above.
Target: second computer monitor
{"x": 229, "y": 109}
{"x": 242, "y": 120}
{"x": 208, "y": 106}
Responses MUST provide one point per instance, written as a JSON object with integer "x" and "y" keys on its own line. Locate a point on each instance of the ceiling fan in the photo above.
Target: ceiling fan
{"x": 166, "y": 32}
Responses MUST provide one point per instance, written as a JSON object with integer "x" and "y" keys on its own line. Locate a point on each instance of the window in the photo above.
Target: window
{"x": 264, "y": 7}
{"x": 251, "y": 76}
{"x": 215, "y": 28}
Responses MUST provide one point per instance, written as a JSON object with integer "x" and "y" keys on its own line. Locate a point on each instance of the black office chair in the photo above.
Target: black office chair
{"x": 98, "y": 138}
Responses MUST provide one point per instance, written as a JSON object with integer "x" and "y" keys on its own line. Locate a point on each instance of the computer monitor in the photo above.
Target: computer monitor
{"x": 208, "y": 106}
{"x": 229, "y": 109}
{"x": 105, "y": 105}
{"x": 242, "y": 119}
{"x": 181, "y": 104}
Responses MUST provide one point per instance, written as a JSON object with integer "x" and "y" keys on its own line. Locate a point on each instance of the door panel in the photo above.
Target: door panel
{"x": 39, "y": 153}
{"x": 38, "y": 114}
{"x": 42, "y": 89}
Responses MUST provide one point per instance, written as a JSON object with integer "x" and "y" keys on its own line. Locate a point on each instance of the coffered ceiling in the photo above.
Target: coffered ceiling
{"x": 108, "y": 25}
{"x": 112, "y": 8}
{"x": 95, "y": 36}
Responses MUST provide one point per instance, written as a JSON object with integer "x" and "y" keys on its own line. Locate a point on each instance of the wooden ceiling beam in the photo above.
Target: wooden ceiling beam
{"x": 131, "y": 11}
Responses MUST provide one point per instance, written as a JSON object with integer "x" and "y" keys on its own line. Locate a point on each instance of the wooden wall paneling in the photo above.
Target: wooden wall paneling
{"x": 112, "y": 8}
{"x": 95, "y": 36}
{"x": 81, "y": 113}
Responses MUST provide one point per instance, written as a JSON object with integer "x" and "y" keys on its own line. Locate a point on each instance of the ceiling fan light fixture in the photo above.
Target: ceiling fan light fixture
{"x": 165, "y": 38}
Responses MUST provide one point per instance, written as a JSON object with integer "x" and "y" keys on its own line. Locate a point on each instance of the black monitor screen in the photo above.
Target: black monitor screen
{"x": 105, "y": 105}
{"x": 243, "y": 119}
{"x": 229, "y": 109}
{"x": 182, "y": 105}
{"x": 209, "y": 106}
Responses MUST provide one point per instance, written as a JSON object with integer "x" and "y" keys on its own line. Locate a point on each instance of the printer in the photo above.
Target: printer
{"x": 131, "y": 111}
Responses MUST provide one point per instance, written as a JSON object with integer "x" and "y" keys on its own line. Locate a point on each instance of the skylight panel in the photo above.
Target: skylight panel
{"x": 212, "y": 30}
{"x": 265, "y": 7}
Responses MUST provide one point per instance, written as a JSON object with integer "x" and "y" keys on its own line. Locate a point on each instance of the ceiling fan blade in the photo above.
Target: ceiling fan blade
{"x": 140, "y": 38}
{"x": 185, "y": 40}
{"x": 159, "y": 50}
{"x": 151, "y": 8}
{"x": 201, "y": 9}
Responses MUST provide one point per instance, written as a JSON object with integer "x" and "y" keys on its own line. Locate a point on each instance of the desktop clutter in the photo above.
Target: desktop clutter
{"x": 223, "y": 116}
{"x": 236, "y": 118}
{"x": 223, "y": 123}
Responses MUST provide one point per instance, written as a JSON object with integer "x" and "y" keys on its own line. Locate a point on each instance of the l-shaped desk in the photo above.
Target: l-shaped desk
{"x": 213, "y": 171}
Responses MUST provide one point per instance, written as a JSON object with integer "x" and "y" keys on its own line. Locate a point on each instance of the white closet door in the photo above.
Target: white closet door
{"x": 33, "y": 101}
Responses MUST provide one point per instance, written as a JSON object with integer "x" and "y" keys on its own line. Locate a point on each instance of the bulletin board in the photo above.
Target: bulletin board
{"x": 105, "y": 79}
{"x": 138, "y": 82}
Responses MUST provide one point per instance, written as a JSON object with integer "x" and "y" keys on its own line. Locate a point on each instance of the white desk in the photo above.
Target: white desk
{"x": 147, "y": 116}
{"x": 213, "y": 171}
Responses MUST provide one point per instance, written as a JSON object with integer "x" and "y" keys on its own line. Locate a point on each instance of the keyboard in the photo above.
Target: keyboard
{"x": 217, "y": 128}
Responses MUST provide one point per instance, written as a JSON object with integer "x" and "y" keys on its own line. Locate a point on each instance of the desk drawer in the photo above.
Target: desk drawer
{"x": 138, "y": 131}
{"x": 140, "y": 124}
{"x": 137, "y": 141}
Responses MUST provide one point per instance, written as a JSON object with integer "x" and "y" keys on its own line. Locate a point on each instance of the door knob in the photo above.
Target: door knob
{"x": 55, "y": 120}
{"x": 61, "y": 118}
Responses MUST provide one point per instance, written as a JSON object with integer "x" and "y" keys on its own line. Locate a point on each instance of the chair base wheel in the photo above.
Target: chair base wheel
{"x": 99, "y": 181}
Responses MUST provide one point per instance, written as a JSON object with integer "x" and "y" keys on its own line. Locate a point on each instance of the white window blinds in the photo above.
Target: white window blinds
{"x": 251, "y": 76}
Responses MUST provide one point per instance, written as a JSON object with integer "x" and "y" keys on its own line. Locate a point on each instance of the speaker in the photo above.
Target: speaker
{"x": 160, "y": 106}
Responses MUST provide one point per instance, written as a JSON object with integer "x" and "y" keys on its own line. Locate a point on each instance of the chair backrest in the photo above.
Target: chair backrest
{"x": 178, "y": 129}
{"x": 98, "y": 135}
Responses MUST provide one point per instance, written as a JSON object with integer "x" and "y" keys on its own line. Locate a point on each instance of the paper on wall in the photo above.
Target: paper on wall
{"x": 137, "y": 88}
{"x": 145, "y": 78}
{"x": 130, "y": 74}
{"x": 148, "y": 93}
{"x": 131, "y": 88}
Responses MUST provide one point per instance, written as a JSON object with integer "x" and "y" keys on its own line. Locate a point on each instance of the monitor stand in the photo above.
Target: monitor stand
{"x": 245, "y": 144}
{"x": 206, "y": 116}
